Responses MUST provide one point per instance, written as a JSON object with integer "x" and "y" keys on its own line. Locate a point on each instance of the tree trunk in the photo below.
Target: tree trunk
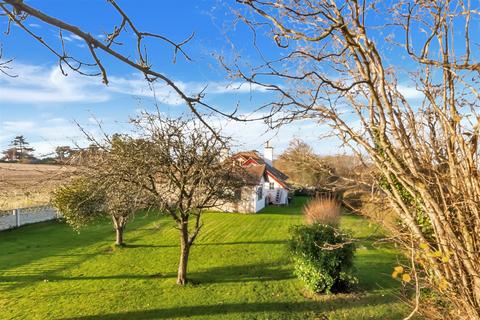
{"x": 119, "y": 237}
{"x": 184, "y": 252}
{"x": 119, "y": 225}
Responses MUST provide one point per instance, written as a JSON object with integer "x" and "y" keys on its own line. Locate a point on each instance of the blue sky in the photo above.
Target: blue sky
{"x": 43, "y": 105}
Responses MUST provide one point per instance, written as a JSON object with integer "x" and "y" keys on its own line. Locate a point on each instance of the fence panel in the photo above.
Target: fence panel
{"x": 20, "y": 217}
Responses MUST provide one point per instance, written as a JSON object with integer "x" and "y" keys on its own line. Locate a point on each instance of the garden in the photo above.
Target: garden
{"x": 239, "y": 268}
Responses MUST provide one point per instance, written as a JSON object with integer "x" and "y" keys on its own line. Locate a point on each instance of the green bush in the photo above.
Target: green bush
{"x": 78, "y": 201}
{"x": 322, "y": 258}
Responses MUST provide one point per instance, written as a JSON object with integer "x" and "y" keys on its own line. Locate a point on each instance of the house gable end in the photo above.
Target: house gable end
{"x": 278, "y": 180}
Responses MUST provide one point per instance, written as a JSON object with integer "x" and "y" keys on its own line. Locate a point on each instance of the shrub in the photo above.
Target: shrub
{"x": 323, "y": 210}
{"x": 78, "y": 202}
{"x": 322, "y": 258}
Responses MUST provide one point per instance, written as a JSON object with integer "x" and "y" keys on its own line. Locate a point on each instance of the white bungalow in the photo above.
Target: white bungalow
{"x": 268, "y": 185}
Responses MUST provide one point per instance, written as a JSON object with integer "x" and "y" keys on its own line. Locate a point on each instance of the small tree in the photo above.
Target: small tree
{"x": 79, "y": 202}
{"x": 22, "y": 147}
{"x": 10, "y": 154}
{"x": 179, "y": 163}
{"x": 100, "y": 190}
{"x": 323, "y": 258}
{"x": 82, "y": 201}
{"x": 19, "y": 150}
{"x": 184, "y": 169}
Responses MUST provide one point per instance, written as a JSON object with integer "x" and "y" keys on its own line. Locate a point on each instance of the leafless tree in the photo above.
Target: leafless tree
{"x": 187, "y": 173}
{"x": 335, "y": 68}
{"x": 181, "y": 164}
{"x": 344, "y": 176}
{"x": 303, "y": 167}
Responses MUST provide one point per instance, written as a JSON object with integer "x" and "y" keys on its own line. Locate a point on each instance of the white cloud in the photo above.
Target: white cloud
{"x": 410, "y": 92}
{"x": 235, "y": 87}
{"x": 70, "y": 37}
{"x": 37, "y": 84}
{"x": 136, "y": 85}
{"x": 17, "y": 126}
{"x": 44, "y": 135}
{"x": 75, "y": 37}
{"x": 252, "y": 135}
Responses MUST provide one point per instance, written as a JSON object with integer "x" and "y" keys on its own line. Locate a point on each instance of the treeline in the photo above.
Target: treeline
{"x": 20, "y": 151}
{"x": 345, "y": 176}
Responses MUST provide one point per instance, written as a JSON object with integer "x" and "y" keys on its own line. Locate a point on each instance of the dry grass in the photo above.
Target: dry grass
{"x": 26, "y": 185}
{"x": 323, "y": 209}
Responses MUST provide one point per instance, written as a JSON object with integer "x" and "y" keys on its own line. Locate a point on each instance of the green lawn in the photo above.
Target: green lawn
{"x": 239, "y": 270}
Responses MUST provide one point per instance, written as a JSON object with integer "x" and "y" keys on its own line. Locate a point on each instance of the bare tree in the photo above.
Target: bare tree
{"x": 303, "y": 167}
{"x": 63, "y": 153}
{"x": 181, "y": 164}
{"x": 334, "y": 68}
{"x": 186, "y": 173}
{"x": 334, "y": 173}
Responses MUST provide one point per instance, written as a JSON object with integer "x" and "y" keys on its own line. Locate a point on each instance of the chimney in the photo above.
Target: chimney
{"x": 223, "y": 154}
{"x": 268, "y": 154}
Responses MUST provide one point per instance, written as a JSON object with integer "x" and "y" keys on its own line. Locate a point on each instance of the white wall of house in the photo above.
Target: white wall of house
{"x": 244, "y": 204}
{"x": 277, "y": 188}
{"x": 250, "y": 202}
{"x": 259, "y": 203}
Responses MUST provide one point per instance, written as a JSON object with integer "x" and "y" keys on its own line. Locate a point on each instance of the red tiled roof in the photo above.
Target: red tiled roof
{"x": 259, "y": 166}
{"x": 248, "y": 154}
{"x": 256, "y": 172}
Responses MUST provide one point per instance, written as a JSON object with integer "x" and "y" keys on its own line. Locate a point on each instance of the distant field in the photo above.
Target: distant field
{"x": 25, "y": 185}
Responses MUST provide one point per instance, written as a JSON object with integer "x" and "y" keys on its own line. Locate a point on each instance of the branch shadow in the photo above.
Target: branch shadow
{"x": 38, "y": 251}
{"x": 142, "y": 245}
{"x": 228, "y": 274}
{"x": 241, "y": 273}
{"x": 309, "y": 309}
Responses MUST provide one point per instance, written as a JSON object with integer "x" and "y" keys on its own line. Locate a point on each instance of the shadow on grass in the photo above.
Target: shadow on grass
{"x": 282, "y": 310}
{"x": 25, "y": 249}
{"x": 206, "y": 244}
{"x": 242, "y": 273}
{"x": 229, "y": 274}
{"x": 374, "y": 270}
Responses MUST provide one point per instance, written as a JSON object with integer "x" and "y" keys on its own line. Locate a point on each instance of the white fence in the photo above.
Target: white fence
{"x": 20, "y": 217}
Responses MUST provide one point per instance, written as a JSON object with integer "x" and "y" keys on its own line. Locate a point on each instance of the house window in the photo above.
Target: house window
{"x": 271, "y": 185}
{"x": 238, "y": 194}
{"x": 259, "y": 193}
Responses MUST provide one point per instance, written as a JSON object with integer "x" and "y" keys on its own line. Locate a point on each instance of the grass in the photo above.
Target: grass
{"x": 239, "y": 270}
